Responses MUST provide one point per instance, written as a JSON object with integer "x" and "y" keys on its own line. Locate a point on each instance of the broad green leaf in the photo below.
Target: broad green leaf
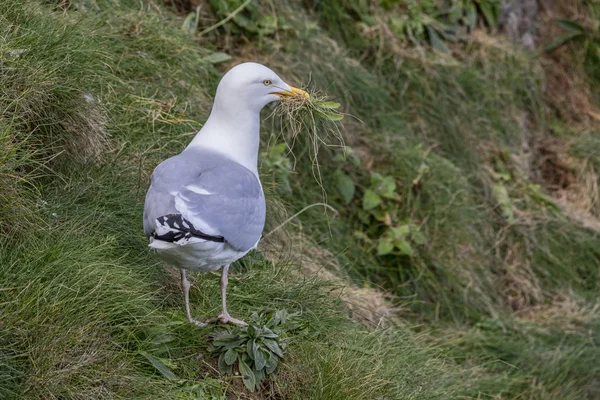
{"x": 267, "y": 333}
{"x": 247, "y": 375}
{"x": 245, "y": 357}
{"x": 561, "y": 40}
{"x": 381, "y": 215}
{"x": 260, "y": 359}
{"x": 345, "y": 186}
{"x": 225, "y": 338}
{"x": 230, "y": 356}
{"x": 383, "y": 185}
{"x": 189, "y": 24}
{"x": 450, "y": 32}
{"x": 283, "y": 316}
{"x": 403, "y": 246}
{"x": 272, "y": 362}
{"x": 332, "y": 116}
{"x": 489, "y": 13}
{"x": 217, "y": 58}
{"x": 436, "y": 41}
{"x": 274, "y": 347}
{"x": 249, "y": 348}
{"x": 370, "y": 200}
{"x": 160, "y": 366}
{"x": 376, "y": 178}
{"x": 254, "y": 350}
{"x": 252, "y": 331}
{"x": 385, "y": 246}
{"x": 327, "y": 104}
{"x": 401, "y": 231}
{"x": 278, "y": 149}
{"x": 223, "y": 367}
{"x": 570, "y": 25}
{"x": 365, "y": 218}
{"x": 260, "y": 375}
{"x": 275, "y": 319}
{"x": 229, "y": 344}
{"x": 455, "y": 14}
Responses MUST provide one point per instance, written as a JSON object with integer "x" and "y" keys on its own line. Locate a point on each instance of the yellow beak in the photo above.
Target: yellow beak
{"x": 293, "y": 92}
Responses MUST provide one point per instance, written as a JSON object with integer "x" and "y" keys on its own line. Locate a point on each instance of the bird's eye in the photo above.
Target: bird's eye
{"x": 267, "y": 82}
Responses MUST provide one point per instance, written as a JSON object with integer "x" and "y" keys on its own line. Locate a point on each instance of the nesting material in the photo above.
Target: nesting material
{"x": 314, "y": 118}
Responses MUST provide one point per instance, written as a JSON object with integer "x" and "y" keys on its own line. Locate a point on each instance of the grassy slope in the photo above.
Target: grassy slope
{"x": 81, "y": 295}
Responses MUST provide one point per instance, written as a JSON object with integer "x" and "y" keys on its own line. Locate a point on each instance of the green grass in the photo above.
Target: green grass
{"x": 491, "y": 309}
{"x": 48, "y": 69}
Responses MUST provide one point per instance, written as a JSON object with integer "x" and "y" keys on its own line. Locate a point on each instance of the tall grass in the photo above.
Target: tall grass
{"x": 49, "y": 71}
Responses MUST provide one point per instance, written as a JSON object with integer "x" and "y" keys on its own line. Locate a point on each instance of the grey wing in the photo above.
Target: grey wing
{"x": 225, "y": 201}
{"x": 167, "y": 178}
{"x": 158, "y": 203}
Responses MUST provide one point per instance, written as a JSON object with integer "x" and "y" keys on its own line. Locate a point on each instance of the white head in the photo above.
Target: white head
{"x": 233, "y": 127}
{"x": 250, "y": 87}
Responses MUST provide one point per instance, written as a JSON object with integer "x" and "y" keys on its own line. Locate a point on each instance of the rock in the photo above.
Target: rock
{"x": 518, "y": 19}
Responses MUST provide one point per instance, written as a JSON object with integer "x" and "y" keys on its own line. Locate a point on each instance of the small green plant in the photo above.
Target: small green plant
{"x": 397, "y": 240}
{"x": 255, "y": 350}
{"x": 382, "y": 187}
{"x": 380, "y": 202}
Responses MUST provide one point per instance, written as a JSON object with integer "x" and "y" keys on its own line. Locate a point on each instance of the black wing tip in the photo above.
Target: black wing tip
{"x": 181, "y": 228}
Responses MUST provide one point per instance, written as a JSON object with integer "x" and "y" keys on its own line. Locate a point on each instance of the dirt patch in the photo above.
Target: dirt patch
{"x": 555, "y": 170}
{"x": 573, "y": 183}
{"x": 520, "y": 286}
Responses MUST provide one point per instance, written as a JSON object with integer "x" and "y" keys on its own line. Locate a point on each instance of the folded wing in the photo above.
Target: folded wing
{"x": 215, "y": 199}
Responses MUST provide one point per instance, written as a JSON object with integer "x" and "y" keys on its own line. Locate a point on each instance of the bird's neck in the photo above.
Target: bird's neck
{"x": 233, "y": 133}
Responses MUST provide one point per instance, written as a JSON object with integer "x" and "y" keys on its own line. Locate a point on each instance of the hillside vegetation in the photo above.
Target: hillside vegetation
{"x": 462, "y": 260}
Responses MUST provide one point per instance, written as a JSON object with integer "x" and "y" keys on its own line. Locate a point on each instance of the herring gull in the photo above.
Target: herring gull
{"x": 205, "y": 207}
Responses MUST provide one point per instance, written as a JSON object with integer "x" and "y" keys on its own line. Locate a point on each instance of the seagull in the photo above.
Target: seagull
{"x": 205, "y": 207}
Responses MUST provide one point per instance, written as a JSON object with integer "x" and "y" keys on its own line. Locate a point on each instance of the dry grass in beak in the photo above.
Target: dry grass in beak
{"x": 313, "y": 117}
